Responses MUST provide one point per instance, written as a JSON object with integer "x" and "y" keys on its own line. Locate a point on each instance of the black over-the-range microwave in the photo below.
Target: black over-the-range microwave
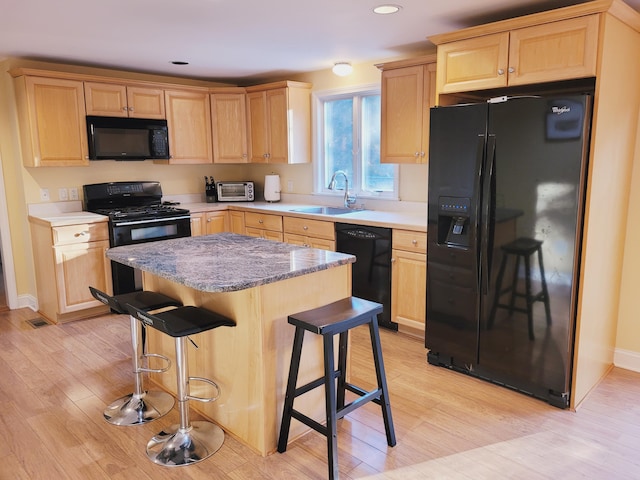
{"x": 114, "y": 138}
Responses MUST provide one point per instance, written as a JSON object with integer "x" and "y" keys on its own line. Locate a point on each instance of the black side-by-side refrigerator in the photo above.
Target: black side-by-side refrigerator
{"x": 506, "y": 194}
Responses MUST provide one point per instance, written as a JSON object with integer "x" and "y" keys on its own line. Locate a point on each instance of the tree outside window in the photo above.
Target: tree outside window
{"x": 348, "y": 132}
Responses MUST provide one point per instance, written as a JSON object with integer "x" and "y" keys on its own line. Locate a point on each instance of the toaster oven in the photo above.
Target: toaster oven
{"x": 235, "y": 191}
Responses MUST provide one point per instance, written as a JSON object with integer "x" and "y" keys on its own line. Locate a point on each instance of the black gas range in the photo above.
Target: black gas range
{"x": 136, "y": 215}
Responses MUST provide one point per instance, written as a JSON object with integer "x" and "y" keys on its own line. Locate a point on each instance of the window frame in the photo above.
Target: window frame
{"x": 320, "y": 182}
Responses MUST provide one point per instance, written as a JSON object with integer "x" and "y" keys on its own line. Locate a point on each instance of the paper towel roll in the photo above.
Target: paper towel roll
{"x": 272, "y": 188}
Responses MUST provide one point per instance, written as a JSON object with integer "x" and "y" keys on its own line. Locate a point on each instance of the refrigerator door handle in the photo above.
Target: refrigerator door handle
{"x": 478, "y": 213}
{"x": 487, "y": 209}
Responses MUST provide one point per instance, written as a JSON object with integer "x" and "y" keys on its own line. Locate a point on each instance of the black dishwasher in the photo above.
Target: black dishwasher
{"x": 371, "y": 276}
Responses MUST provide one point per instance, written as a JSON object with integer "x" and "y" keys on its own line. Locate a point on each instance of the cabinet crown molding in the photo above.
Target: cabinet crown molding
{"x": 617, "y": 8}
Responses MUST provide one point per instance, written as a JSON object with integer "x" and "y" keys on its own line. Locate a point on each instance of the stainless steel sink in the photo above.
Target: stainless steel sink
{"x": 325, "y": 210}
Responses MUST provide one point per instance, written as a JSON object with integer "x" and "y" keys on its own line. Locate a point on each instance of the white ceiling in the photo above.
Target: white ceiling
{"x": 229, "y": 40}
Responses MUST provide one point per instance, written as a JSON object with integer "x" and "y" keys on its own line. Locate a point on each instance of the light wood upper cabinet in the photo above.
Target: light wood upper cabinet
{"x": 189, "y": 122}
{"x": 114, "y": 100}
{"x": 552, "y": 51}
{"x": 229, "y": 127}
{"x": 279, "y": 122}
{"x": 407, "y": 94}
{"x": 555, "y": 51}
{"x": 53, "y": 127}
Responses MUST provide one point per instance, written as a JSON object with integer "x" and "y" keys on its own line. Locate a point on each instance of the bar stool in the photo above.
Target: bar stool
{"x": 336, "y": 318}
{"x": 189, "y": 442}
{"x": 521, "y": 248}
{"x": 140, "y": 406}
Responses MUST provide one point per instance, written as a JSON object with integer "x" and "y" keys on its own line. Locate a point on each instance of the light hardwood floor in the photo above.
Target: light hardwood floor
{"x": 56, "y": 380}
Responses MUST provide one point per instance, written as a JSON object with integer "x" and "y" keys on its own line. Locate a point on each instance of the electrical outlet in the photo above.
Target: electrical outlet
{"x": 44, "y": 194}
{"x": 63, "y": 194}
{"x": 73, "y": 193}
{"x": 290, "y": 186}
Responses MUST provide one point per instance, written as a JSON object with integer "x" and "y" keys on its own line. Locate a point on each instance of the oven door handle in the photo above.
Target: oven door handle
{"x": 149, "y": 221}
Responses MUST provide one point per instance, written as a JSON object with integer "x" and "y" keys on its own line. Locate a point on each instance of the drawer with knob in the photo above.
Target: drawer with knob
{"x": 81, "y": 233}
{"x": 410, "y": 241}
{"x": 263, "y": 221}
{"x": 312, "y": 228}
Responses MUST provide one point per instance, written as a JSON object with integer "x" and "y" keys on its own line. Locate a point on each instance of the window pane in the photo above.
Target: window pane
{"x": 338, "y": 137}
{"x": 375, "y": 177}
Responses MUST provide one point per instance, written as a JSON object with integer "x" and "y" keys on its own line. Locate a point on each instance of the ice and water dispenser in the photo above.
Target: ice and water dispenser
{"x": 453, "y": 221}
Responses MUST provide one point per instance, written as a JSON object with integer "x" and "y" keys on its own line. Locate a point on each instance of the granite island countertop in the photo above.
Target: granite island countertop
{"x": 225, "y": 262}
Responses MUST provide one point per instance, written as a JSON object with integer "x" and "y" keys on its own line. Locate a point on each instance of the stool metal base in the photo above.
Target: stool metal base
{"x": 135, "y": 409}
{"x": 178, "y": 447}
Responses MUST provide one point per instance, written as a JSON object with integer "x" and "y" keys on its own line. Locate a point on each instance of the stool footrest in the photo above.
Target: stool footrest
{"x": 309, "y": 422}
{"x": 155, "y": 370}
{"x": 314, "y": 384}
{"x": 204, "y": 399}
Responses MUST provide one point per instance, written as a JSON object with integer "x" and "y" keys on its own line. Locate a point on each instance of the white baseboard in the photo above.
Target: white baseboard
{"x": 28, "y": 301}
{"x": 627, "y": 359}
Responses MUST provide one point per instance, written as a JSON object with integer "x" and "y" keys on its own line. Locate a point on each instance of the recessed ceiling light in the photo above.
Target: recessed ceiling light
{"x": 387, "y": 9}
{"x": 179, "y": 62}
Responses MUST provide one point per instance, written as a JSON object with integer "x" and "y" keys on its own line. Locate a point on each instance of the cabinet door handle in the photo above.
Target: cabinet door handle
{"x": 81, "y": 234}
{"x": 414, "y": 242}
{"x": 305, "y": 227}
{"x": 501, "y": 71}
{"x": 511, "y": 69}
{"x": 260, "y": 221}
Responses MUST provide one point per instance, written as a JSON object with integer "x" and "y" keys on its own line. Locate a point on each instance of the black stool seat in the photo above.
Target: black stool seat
{"x": 522, "y": 247}
{"x": 188, "y": 442}
{"x": 182, "y": 321}
{"x": 144, "y": 300}
{"x": 336, "y": 318}
{"x": 140, "y": 406}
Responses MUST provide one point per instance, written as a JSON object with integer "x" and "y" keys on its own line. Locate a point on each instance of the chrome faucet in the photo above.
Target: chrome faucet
{"x": 349, "y": 200}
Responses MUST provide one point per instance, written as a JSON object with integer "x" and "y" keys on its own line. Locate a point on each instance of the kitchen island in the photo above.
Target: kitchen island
{"x": 258, "y": 283}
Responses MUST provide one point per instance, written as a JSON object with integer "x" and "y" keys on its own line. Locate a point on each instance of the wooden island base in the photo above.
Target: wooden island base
{"x": 250, "y": 362}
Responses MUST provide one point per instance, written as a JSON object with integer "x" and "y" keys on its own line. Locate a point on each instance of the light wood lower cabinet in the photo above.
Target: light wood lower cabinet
{"x": 236, "y": 221}
{"x": 409, "y": 281}
{"x": 263, "y": 225}
{"x": 207, "y": 223}
{"x": 309, "y": 233}
{"x": 68, "y": 260}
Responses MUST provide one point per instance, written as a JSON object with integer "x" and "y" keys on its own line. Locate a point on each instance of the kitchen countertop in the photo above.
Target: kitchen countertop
{"x": 410, "y": 220}
{"x": 414, "y": 220}
{"x": 225, "y": 262}
{"x": 67, "y": 218}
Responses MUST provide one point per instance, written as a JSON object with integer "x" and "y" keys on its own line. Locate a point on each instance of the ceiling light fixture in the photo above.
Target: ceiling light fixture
{"x": 342, "y": 69}
{"x": 387, "y": 9}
